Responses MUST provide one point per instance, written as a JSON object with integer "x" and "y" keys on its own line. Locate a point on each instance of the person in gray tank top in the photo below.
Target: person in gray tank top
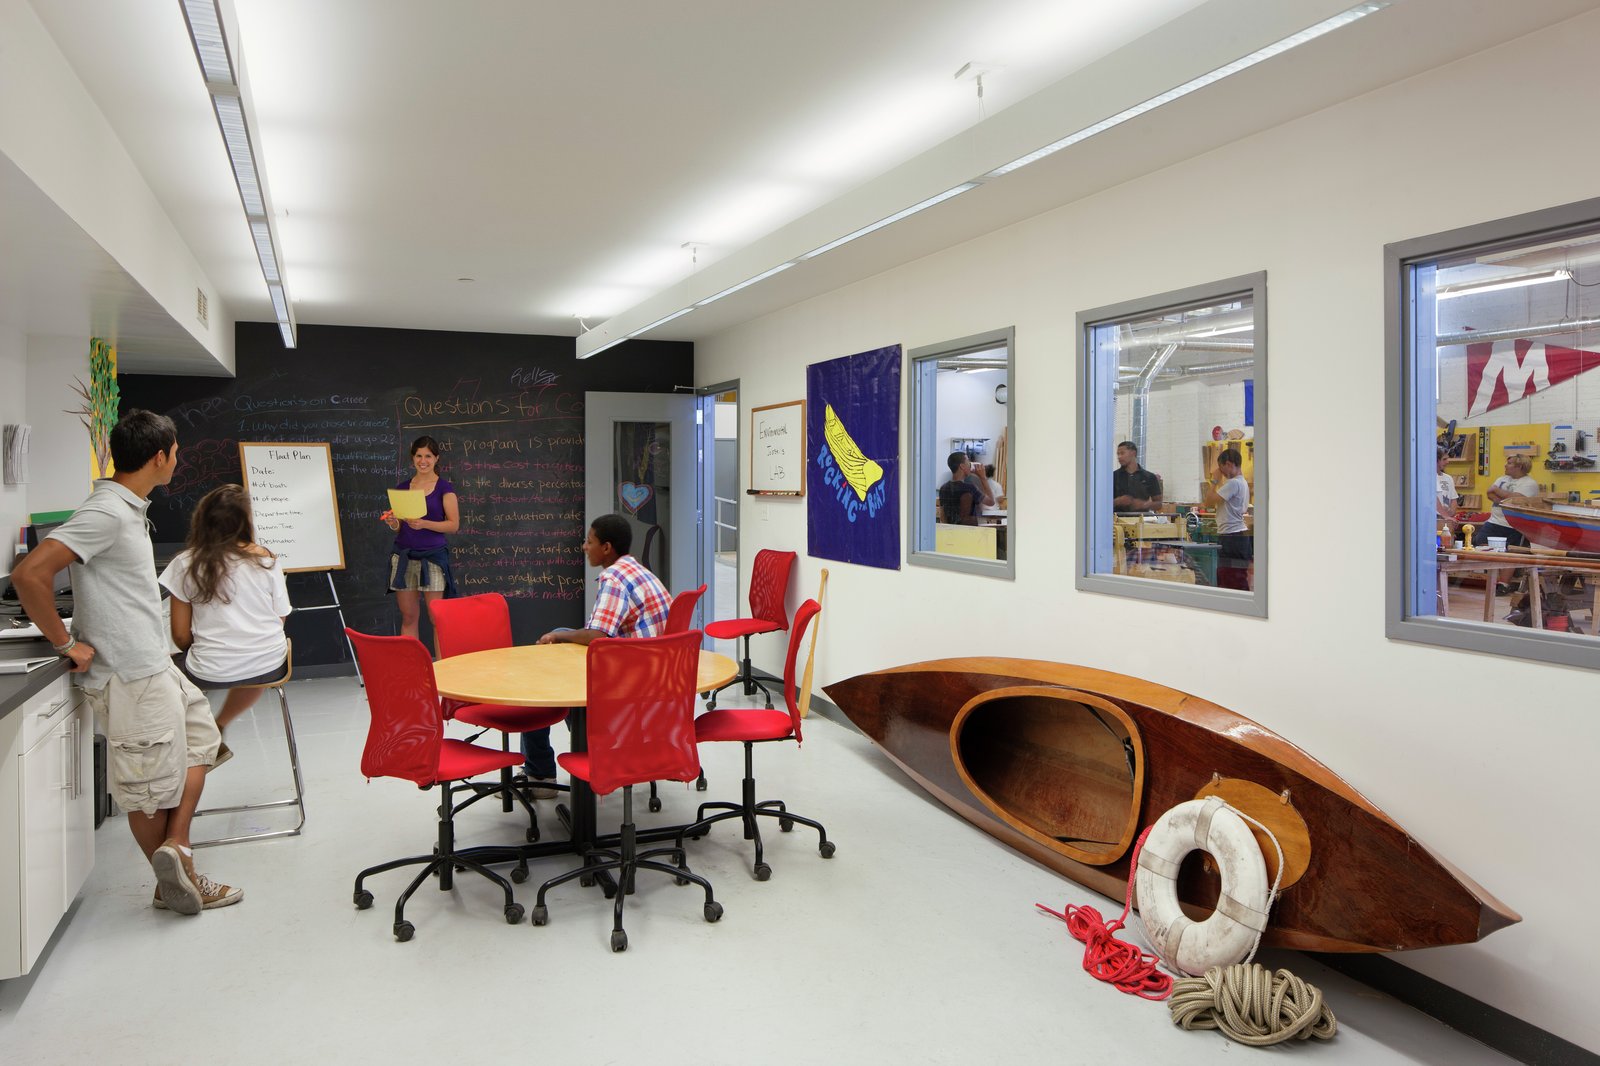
{"x": 161, "y": 737}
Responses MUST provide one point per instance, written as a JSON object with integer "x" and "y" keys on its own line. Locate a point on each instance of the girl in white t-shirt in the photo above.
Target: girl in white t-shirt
{"x": 229, "y": 601}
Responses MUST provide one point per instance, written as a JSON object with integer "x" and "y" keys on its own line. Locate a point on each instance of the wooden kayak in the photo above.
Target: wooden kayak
{"x": 1068, "y": 765}
{"x": 1567, "y": 526}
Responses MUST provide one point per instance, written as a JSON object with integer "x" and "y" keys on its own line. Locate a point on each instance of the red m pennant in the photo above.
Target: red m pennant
{"x": 1502, "y": 371}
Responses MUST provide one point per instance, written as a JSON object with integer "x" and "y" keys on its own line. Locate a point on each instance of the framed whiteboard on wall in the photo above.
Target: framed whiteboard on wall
{"x": 293, "y": 504}
{"x": 778, "y": 449}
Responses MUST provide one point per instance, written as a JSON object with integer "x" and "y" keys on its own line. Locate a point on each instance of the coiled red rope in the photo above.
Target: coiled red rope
{"x": 1108, "y": 959}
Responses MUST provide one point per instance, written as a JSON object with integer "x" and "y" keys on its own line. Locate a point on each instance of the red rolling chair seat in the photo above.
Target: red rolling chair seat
{"x": 478, "y": 623}
{"x": 769, "y": 583}
{"x": 681, "y": 612}
{"x": 406, "y": 740}
{"x": 750, "y": 726}
{"x": 679, "y": 615}
{"x": 640, "y": 703}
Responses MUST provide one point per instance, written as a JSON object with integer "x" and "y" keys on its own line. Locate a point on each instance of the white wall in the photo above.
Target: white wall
{"x": 59, "y": 469}
{"x": 13, "y": 409}
{"x": 1488, "y": 760}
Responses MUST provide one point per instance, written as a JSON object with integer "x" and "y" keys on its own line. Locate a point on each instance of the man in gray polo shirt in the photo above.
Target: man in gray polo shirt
{"x": 161, "y": 733}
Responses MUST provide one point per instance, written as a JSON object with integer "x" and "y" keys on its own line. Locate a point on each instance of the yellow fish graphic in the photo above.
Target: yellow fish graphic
{"x": 861, "y": 472}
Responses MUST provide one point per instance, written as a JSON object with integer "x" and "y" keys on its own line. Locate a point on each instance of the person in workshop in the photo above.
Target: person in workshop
{"x": 1445, "y": 496}
{"x": 1514, "y": 482}
{"x": 961, "y": 501}
{"x": 162, "y": 737}
{"x": 419, "y": 565}
{"x": 1133, "y": 488}
{"x": 1230, "y": 494}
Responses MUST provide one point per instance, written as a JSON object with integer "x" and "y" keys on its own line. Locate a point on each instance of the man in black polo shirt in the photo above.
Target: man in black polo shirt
{"x": 1133, "y": 488}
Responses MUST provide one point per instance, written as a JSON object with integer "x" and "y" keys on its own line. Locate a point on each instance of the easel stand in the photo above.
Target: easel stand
{"x": 335, "y": 606}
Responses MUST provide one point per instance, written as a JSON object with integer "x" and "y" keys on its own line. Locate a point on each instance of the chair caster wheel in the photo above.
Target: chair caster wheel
{"x": 825, "y": 849}
{"x": 609, "y": 889}
{"x": 786, "y": 824}
{"x": 514, "y": 914}
{"x": 404, "y": 931}
{"x": 363, "y": 899}
{"x": 619, "y": 940}
{"x": 586, "y": 881}
{"x": 655, "y": 804}
{"x": 763, "y": 871}
{"x": 519, "y": 874}
{"x": 681, "y": 880}
{"x": 700, "y": 783}
{"x": 541, "y": 916}
{"x": 713, "y": 911}
{"x": 532, "y": 834}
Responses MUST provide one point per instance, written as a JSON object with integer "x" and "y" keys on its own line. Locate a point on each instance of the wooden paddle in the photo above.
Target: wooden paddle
{"x": 811, "y": 655}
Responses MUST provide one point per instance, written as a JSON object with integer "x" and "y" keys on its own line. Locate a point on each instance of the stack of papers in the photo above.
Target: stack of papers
{"x": 22, "y": 666}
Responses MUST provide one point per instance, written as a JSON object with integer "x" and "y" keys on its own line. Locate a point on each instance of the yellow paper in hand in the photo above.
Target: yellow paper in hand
{"x": 408, "y": 503}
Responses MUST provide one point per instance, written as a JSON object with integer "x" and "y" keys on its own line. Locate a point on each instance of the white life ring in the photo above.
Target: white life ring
{"x": 1235, "y": 926}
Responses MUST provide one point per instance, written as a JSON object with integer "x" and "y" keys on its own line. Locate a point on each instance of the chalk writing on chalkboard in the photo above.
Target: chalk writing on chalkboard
{"x": 777, "y": 449}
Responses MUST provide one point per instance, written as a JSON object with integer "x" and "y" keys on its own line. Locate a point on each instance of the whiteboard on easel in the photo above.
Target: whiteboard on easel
{"x": 293, "y": 504}
{"x": 777, "y": 449}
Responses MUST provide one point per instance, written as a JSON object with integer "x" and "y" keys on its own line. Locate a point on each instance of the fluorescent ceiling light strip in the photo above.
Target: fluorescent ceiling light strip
{"x": 264, "y": 250}
{"x": 280, "y": 303}
{"x": 896, "y": 217}
{"x": 210, "y": 46}
{"x": 1472, "y": 288}
{"x": 230, "y": 116}
{"x": 1310, "y": 33}
{"x": 661, "y": 321}
{"x": 745, "y": 284}
{"x": 286, "y": 331}
{"x": 603, "y": 347}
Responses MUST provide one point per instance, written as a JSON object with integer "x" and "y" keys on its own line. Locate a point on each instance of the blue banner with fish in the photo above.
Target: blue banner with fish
{"x": 853, "y": 470}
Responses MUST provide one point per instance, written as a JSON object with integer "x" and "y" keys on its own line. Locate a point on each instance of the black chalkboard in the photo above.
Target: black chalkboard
{"x": 507, "y": 411}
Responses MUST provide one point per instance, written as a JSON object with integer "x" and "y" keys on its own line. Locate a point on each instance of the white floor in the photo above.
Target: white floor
{"x": 918, "y": 943}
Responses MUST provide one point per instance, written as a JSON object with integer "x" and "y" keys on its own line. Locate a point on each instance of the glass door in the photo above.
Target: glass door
{"x": 642, "y": 455}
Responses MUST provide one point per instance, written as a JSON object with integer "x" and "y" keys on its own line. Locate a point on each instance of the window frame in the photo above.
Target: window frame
{"x": 1406, "y": 440}
{"x": 1096, "y": 419}
{"x": 926, "y": 455}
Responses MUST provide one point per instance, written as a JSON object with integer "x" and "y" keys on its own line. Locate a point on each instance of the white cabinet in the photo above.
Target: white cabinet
{"x": 47, "y": 835}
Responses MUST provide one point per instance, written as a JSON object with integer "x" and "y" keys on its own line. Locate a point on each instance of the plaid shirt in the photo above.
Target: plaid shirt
{"x": 631, "y": 601}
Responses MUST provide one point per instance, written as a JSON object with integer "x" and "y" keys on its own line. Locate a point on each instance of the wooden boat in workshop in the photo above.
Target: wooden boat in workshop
{"x": 1068, "y": 765}
{"x": 1566, "y": 526}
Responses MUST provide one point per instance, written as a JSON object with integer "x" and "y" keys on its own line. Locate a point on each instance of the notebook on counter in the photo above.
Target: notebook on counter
{"x": 23, "y": 666}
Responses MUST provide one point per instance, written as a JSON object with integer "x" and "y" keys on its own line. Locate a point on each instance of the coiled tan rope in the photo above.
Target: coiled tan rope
{"x": 1252, "y": 1005}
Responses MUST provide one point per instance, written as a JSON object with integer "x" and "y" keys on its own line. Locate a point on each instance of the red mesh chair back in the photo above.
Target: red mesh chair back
{"x": 470, "y": 623}
{"x": 802, "y": 618}
{"x": 641, "y": 699}
{"x": 407, "y": 726}
{"x": 769, "y": 584}
{"x": 682, "y": 610}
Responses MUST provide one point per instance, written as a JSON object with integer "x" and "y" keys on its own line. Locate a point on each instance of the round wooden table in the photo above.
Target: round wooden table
{"x": 543, "y": 675}
{"x": 549, "y": 675}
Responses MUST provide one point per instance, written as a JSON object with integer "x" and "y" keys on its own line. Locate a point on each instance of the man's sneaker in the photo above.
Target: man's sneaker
{"x": 544, "y": 788}
{"x": 175, "y": 879}
{"x": 224, "y": 753}
{"x": 212, "y": 895}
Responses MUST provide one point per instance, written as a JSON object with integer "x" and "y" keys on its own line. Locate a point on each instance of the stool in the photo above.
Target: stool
{"x": 294, "y": 764}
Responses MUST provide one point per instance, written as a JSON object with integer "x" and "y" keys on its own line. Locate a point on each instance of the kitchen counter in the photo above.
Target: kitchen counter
{"x": 15, "y": 689}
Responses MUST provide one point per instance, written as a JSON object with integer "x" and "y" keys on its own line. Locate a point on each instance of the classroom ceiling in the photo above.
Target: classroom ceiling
{"x": 562, "y": 156}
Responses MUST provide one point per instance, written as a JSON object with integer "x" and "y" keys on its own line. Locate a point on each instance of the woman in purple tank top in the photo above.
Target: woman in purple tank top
{"x": 419, "y": 568}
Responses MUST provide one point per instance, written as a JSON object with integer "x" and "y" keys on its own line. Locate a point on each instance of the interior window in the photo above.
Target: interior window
{"x": 963, "y": 480}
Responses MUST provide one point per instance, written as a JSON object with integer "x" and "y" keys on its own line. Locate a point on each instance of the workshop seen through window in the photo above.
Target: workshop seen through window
{"x": 1172, "y": 500}
{"x": 962, "y": 481}
{"x": 1504, "y": 516}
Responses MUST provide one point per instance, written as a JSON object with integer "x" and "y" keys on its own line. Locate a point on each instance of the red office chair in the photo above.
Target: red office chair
{"x": 748, "y": 726}
{"x": 478, "y": 623}
{"x": 769, "y": 582}
{"x": 679, "y": 615}
{"x": 406, "y": 739}
{"x": 640, "y": 728}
